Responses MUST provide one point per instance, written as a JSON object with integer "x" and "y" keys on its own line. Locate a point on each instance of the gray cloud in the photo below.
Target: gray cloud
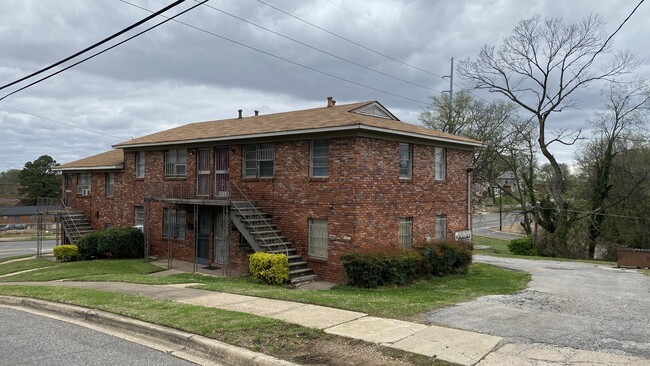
{"x": 175, "y": 74}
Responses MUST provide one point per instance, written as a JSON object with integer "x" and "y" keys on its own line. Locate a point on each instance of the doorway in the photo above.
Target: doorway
{"x": 222, "y": 165}
{"x": 203, "y": 238}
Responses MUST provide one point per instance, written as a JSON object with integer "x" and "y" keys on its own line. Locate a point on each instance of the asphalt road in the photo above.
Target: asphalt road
{"x": 29, "y": 339}
{"x": 481, "y": 224}
{"x": 15, "y": 248}
{"x": 578, "y": 305}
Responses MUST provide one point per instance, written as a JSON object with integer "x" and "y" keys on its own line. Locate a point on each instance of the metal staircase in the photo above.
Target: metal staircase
{"x": 75, "y": 223}
{"x": 258, "y": 229}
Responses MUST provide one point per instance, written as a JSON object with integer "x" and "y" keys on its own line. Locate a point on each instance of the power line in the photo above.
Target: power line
{"x": 285, "y": 59}
{"x": 593, "y": 213}
{"x": 349, "y": 40}
{"x": 105, "y": 50}
{"x": 321, "y": 50}
{"x": 94, "y": 45}
{"x": 62, "y": 123}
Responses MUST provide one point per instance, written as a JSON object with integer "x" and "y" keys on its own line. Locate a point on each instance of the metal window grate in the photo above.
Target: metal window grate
{"x": 319, "y": 164}
{"x": 405, "y": 162}
{"x": 406, "y": 232}
{"x": 174, "y": 222}
{"x": 440, "y": 163}
{"x": 318, "y": 238}
{"x": 175, "y": 162}
{"x": 441, "y": 227}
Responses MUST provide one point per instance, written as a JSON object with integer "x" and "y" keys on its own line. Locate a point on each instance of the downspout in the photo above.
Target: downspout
{"x": 469, "y": 197}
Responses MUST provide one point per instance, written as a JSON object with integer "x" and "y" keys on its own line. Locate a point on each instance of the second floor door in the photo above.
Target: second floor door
{"x": 222, "y": 165}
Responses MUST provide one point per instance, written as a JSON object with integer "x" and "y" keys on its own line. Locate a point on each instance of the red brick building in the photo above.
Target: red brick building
{"x": 312, "y": 184}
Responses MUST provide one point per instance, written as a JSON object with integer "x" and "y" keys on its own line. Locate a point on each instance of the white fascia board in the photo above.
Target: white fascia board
{"x": 301, "y": 132}
{"x": 106, "y": 167}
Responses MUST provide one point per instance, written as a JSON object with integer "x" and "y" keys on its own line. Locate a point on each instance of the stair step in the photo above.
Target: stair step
{"x": 297, "y": 264}
{"x": 294, "y": 257}
{"x": 264, "y": 232}
{"x": 282, "y": 251}
{"x": 299, "y": 280}
{"x": 255, "y": 227}
{"x": 300, "y": 271}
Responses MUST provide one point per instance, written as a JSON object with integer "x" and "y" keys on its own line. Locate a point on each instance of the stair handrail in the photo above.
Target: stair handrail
{"x": 240, "y": 194}
{"x": 68, "y": 220}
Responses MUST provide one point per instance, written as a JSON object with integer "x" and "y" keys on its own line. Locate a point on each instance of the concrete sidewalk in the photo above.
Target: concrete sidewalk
{"x": 462, "y": 347}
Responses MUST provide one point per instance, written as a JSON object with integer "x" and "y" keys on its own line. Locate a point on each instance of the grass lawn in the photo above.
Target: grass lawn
{"x": 393, "y": 302}
{"x": 24, "y": 265}
{"x": 273, "y": 337}
{"x": 16, "y": 257}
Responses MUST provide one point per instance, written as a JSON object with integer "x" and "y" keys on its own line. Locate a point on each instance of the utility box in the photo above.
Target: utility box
{"x": 633, "y": 258}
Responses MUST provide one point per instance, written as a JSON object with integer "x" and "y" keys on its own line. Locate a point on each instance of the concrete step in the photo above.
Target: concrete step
{"x": 300, "y": 272}
{"x": 299, "y": 280}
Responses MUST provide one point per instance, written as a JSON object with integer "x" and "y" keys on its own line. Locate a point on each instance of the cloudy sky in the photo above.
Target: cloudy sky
{"x": 218, "y": 62}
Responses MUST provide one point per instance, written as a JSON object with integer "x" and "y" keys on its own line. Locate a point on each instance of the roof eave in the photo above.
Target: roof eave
{"x": 300, "y": 132}
{"x": 77, "y": 168}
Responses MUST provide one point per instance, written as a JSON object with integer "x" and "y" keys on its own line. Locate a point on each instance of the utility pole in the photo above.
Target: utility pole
{"x": 451, "y": 82}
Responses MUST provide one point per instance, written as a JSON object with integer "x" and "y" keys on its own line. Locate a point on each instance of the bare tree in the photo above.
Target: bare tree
{"x": 616, "y": 130}
{"x": 540, "y": 66}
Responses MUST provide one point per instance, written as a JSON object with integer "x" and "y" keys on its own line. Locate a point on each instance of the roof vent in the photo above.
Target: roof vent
{"x": 257, "y": 113}
{"x": 240, "y": 111}
{"x": 329, "y": 102}
{"x": 333, "y": 102}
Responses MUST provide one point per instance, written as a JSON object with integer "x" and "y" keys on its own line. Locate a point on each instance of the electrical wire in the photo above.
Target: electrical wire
{"x": 63, "y": 123}
{"x": 105, "y": 50}
{"x": 321, "y": 50}
{"x": 349, "y": 40}
{"x": 285, "y": 59}
{"x": 94, "y": 45}
{"x": 593, "y": 213}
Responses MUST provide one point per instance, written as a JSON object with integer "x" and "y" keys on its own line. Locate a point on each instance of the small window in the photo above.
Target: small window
{"x": 405, "y": 162}
{"x": 139, "y": 164}
{"x": 318, "y": 238}
{"x": 110, "y": 184}
{"x": 441, "y": 227}
{"x": 406, "y": 232}
{"x": 108, "y": 226}
{"x": 441, "y": 163}
{"x": 174, "y": 224}
{"x": 319, "y": 162}
{"x": 139, "y": 215}
{"x": 16, "y": 218}
{"x": 258, "y": 160}
{"x": 83, "y": 184}
{"x": 175, "y": 162}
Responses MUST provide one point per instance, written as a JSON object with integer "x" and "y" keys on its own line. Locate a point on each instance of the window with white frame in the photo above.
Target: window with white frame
{"x": 319, "y": 158}
{"x": 405, "y": 232}
{"x": 175, "y": 162}
{"x": 139, "y": 164}
{"x": 110, "y": 184}
{"x": 405, "y": 161}
{"x": 440, "y": 163}
{"x": 83, "y": 184}
{"x": 258, "y": 160}
{"x": 318, "y": 238}
{"x": 174, "y": 224}
{"x": 441, "y": 227}
{"x": 139, "y": 216}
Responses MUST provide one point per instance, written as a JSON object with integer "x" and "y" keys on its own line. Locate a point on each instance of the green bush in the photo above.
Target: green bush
{"x": 65, "y": 253}
{"x": 126, "y": 242}
{"x": 272, "y": 269}
{"x": 87, "y": 246}
{"x": 443, "y": 258}
{"x": 523, "y": 246}
{"x": 381, "y": 267}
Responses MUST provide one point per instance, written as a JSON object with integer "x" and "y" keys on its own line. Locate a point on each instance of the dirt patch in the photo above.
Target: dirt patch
{"x": 333, "y": 350}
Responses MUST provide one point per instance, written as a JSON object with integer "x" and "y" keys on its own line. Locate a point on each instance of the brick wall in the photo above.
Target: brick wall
{"x": 362, "y": 199}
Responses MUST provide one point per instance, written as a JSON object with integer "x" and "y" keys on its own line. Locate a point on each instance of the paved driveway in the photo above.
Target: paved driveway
{"x": 577, "y": 305}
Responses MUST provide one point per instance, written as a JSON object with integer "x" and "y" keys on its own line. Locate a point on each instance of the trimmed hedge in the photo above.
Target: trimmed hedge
{"x": 272, "y": 269}
{"x": 381, "y": 268}
{"x": 523, "y": 246}
{"x": 65, "y": 253}
{"x": 444, "y": 258}
{"x": 87, "y": 246}
{"x": 127, "y": 242}
{"x": 398, "y": 267}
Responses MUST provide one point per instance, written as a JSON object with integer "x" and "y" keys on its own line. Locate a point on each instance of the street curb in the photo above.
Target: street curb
{"x": 206, "y": 347}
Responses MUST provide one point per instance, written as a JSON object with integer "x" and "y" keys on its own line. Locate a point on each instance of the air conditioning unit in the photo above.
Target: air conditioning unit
{"x": 85, "y": 192}
{"x": 140, "y": 228}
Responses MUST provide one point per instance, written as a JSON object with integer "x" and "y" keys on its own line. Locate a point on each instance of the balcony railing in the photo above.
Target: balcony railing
{"x": 171, "y": 190}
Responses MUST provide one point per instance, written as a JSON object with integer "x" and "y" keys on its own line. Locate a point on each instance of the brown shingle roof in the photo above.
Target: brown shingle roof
{"x": 112, "y": 159}
{"x": 302, "y": 121}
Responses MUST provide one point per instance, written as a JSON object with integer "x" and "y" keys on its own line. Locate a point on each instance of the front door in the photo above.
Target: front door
{"x": 221, "y": 235}
{"x": 203, "y": 236}
{"x": 222, "y": 164}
